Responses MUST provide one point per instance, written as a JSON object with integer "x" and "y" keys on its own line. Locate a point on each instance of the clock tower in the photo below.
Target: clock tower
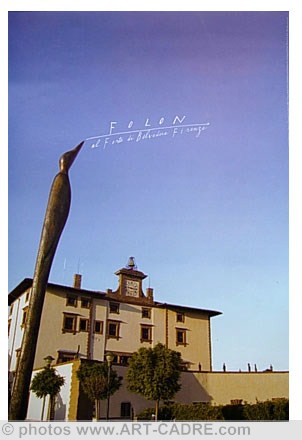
{"x": 130, "y": 283}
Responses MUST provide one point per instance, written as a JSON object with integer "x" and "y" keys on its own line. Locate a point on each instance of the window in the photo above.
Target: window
{"x": 85, "y": 303}
{"x": 24, "y": 317}
{"x": 83, "y": 325}
{"x": 124, "y": 360}
{"x": 146, "y": 333}
{"x": 114, "y": 308}
{"x": 71, "y": 301}
{"x": 69, "y": 323}
{"x": 181, "y": 337}
{"x": 113, "y": 329}
{"x": 65, "y": 356}
{"x": 126, "y": 410}
{"x": 180, "y": 317}
{"x": 98, "y": 327}
{"x": 27, "y": 296}
{"x": 146, "y": 313}
{"x": 9, "y": 324}
{"x": 11, "y": 308}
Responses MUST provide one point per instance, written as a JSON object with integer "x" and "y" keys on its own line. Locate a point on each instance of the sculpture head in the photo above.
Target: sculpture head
{"x": 67, "y": 159}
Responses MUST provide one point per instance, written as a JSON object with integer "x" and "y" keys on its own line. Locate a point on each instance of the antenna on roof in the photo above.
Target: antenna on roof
{"x": 64, "y": 270}
{"x": 79, "y": 265}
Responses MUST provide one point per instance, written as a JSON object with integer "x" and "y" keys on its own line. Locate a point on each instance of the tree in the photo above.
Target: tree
{"x": 154, "y": 373}
{"x": 47, "y": 382}
{"x": 96, "y": 383}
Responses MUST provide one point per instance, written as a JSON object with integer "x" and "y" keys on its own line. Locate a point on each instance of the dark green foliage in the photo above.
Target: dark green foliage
{"x": 154, "y": 373}
{"x": 270, "y": 410}
{"x": 198, "y": 411}
{"x": 47, "y": 381}
{"x": 281, "y": 409}
{"x": 177, "y": 411}
{"x": 164, "y": 413}
{"x": 233, "y": 412}
{"x": 277, "y": 409}
{"x": 94, "y": 380}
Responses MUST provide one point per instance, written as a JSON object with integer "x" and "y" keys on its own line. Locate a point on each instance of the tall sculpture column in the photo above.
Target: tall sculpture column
{"x": 55, "y": 218}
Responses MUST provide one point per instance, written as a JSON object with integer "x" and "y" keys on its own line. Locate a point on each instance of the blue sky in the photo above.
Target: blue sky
{"x": 206, "y": 217}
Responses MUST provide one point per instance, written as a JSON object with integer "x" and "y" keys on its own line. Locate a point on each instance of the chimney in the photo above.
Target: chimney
{"x": 77, "y": 280}
{"x": 149, "y": 292}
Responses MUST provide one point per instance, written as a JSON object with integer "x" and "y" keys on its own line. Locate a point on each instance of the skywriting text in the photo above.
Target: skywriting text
{"x": 148, "y": 131}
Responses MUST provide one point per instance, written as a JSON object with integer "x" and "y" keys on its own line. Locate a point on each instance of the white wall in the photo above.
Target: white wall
{"x": 16, "y": 331}
{"x": 62, "y": 401}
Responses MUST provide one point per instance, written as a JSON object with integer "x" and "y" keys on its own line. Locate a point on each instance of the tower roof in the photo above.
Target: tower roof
{"x": 131, "y": 270}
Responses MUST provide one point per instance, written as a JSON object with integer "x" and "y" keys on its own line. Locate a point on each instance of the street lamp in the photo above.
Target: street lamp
{"x": 48, "y": 360}
{"x": 109, "y": 358}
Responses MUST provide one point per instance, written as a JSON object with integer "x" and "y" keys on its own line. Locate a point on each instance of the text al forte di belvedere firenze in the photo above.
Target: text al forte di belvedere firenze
{"x": 174, "y": 128}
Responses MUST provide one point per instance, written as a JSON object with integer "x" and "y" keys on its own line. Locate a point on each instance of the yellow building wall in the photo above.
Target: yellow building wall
{"x": 159, "y": 330}
{"x": 51, "y": 338}
{"x": 197, "y": 349}
{"x": 130, "y": 317}
{"x": 162, "y": 321}
{"x": 98, "y": 340}
{"x": 222, "y": 387}
{"x": 216, "y": 388}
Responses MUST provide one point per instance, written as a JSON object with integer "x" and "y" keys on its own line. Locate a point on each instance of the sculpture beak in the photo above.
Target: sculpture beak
{"x": 78, "y": 147}
{"x": 68, "y": 158}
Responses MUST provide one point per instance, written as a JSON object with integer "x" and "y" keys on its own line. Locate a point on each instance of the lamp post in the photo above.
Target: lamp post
{"x": 109, "y": 358}
{"x": 48, "y": 360}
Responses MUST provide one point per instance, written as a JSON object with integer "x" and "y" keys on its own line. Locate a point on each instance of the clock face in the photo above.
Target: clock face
{"x": 132, "y": 288}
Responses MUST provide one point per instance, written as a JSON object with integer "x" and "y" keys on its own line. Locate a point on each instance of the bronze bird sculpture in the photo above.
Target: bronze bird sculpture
{"x": 55, "y": 218}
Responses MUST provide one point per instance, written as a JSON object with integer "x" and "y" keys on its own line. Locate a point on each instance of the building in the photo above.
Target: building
{"x": 78, "y": 324}
{"x": 86, "y": 323}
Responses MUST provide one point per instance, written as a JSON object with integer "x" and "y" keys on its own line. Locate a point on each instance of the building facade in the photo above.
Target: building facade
{"x": 78, "y": 324}
{"x": 85, "y": 324}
